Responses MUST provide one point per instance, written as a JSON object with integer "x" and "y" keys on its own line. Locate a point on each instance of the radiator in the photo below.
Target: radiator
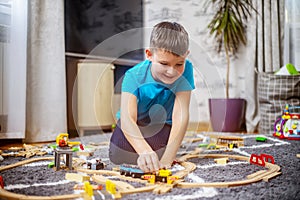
{"x": 95, "y": 95}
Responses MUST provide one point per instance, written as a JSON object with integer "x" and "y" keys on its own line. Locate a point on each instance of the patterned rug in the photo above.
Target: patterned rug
{"x": 39, "y": 180}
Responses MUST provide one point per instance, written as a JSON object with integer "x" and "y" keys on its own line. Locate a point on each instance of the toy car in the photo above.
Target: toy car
{"x": 260, "y": 139}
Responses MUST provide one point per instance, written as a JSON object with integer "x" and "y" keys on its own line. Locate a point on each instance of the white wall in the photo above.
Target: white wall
{"x": 209, "y": 70}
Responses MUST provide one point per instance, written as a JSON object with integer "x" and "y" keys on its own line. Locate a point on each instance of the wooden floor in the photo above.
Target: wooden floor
{"x": 193, "y": 126}
{"x": 7, "y": 143}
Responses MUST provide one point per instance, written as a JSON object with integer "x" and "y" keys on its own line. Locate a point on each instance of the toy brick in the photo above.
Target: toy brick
{"x": 77, "y": 177}
{"x": 221, "y": 161}
{"x": 84, "y": 153}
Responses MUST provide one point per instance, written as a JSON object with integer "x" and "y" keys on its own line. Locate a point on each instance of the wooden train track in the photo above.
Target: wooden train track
{"x": 272, "y": 171}
{"x": 123, "y": 188}
{"x": 10, "y": 195}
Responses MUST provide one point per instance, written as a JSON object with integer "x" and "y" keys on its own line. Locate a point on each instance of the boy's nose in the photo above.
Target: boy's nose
{"x": 171, "y": 71}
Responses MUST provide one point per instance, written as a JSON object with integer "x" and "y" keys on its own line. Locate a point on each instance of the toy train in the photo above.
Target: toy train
{"x": 288, "y": 125}
{"x": 163, "y": 175}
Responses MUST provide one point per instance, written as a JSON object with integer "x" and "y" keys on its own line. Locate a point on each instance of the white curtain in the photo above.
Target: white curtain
{"x": 292, "y": 33}
{"x": 266, "y": 53}
{"x": 46, "y": 114}
{"x": 270, "y": 34}
{"x": 13, "y": 33}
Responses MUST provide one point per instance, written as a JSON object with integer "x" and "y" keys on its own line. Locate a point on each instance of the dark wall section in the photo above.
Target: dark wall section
{"x": 90, "y": 22}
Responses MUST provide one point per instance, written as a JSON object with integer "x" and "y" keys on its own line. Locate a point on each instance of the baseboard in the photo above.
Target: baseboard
{"x": 199, "y": 126}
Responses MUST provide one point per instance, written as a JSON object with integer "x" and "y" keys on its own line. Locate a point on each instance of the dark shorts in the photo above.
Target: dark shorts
{"x": 121, "y": 151}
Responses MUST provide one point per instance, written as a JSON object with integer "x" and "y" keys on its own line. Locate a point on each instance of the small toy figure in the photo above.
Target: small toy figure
{"x": 62, "y": 140}
{"x": 95, "y": 164}
{"x": 288, "y": 125}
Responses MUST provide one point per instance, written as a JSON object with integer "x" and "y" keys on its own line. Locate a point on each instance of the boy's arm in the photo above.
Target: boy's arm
{"x": 148, "y": 159}
{"x": 180, "y": 119}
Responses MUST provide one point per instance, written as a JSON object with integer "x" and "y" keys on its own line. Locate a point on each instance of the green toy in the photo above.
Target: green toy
{"x": 51, "y": 164}
{"x": 291, "y": 69}
{"x": 203, "y": 145}
{"x": 288, "y": 69}
{"x": 261, "y": 139}
{"x": 75, "y": 149}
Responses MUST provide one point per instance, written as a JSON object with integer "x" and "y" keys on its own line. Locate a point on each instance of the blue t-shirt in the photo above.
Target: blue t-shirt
{"x": 155, "y": 99}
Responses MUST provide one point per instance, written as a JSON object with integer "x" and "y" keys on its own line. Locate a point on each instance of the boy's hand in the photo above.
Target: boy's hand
{"x": 148, "y": 162}
{"x": 165, "y": 166}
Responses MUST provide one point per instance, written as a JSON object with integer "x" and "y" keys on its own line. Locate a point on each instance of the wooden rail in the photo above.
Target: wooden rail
{"x": 272, "y": 170}
{"x": 10, "y": 195}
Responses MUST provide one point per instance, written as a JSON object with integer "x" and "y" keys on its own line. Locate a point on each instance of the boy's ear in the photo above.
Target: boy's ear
{"x": 149, "y": 54}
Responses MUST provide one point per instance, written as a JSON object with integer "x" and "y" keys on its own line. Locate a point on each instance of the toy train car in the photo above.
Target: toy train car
{"x": 163, "y": 175}
{"x": 130, "y": 170}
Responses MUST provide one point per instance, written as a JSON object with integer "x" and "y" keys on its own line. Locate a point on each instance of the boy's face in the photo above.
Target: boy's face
{"x": 166, "y": 67}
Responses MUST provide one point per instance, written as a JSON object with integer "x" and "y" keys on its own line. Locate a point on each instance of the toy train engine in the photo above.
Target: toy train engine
{"x": 163, "y": 175}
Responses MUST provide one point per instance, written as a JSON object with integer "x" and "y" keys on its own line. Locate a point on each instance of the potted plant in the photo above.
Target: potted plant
{"x": 228, "y": 27}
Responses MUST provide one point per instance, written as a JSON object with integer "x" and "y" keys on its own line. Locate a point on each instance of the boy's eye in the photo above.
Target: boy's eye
{"x": 178, "y": 65}
{"x": 162, "y": 63}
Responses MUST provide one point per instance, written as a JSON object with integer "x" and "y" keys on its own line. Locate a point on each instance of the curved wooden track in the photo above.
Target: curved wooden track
{"x": 10, "y": 195}
{"x": 271, "y": 171}
{"x": 265, "y": 175}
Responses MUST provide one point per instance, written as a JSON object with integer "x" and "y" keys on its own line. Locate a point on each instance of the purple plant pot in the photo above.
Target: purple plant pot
{"x": 227, "y": 115}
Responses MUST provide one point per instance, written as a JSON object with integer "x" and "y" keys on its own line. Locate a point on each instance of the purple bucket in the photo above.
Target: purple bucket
{"x": 227, "y": 115}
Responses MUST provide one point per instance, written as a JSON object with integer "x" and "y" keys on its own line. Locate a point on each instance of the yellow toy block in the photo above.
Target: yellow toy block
{"x": 150, "y": 178}
{"x": 110, "y": 187}
{"x": 164, "y": 172}
{"x": 171, "y": 179}
{"x": 221, "y": 161}
{"x": 88, "y": 189}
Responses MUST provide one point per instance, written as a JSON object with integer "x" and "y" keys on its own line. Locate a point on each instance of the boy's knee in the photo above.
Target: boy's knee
{"x": 120, "y": 156}
{"x": 113, "y": 154}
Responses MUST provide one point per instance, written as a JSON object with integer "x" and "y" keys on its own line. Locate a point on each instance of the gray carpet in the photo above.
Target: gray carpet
{"x": 31, "y": 180}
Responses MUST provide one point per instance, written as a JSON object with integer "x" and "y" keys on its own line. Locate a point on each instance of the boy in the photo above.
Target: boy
{"x": 155, "y": 102}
